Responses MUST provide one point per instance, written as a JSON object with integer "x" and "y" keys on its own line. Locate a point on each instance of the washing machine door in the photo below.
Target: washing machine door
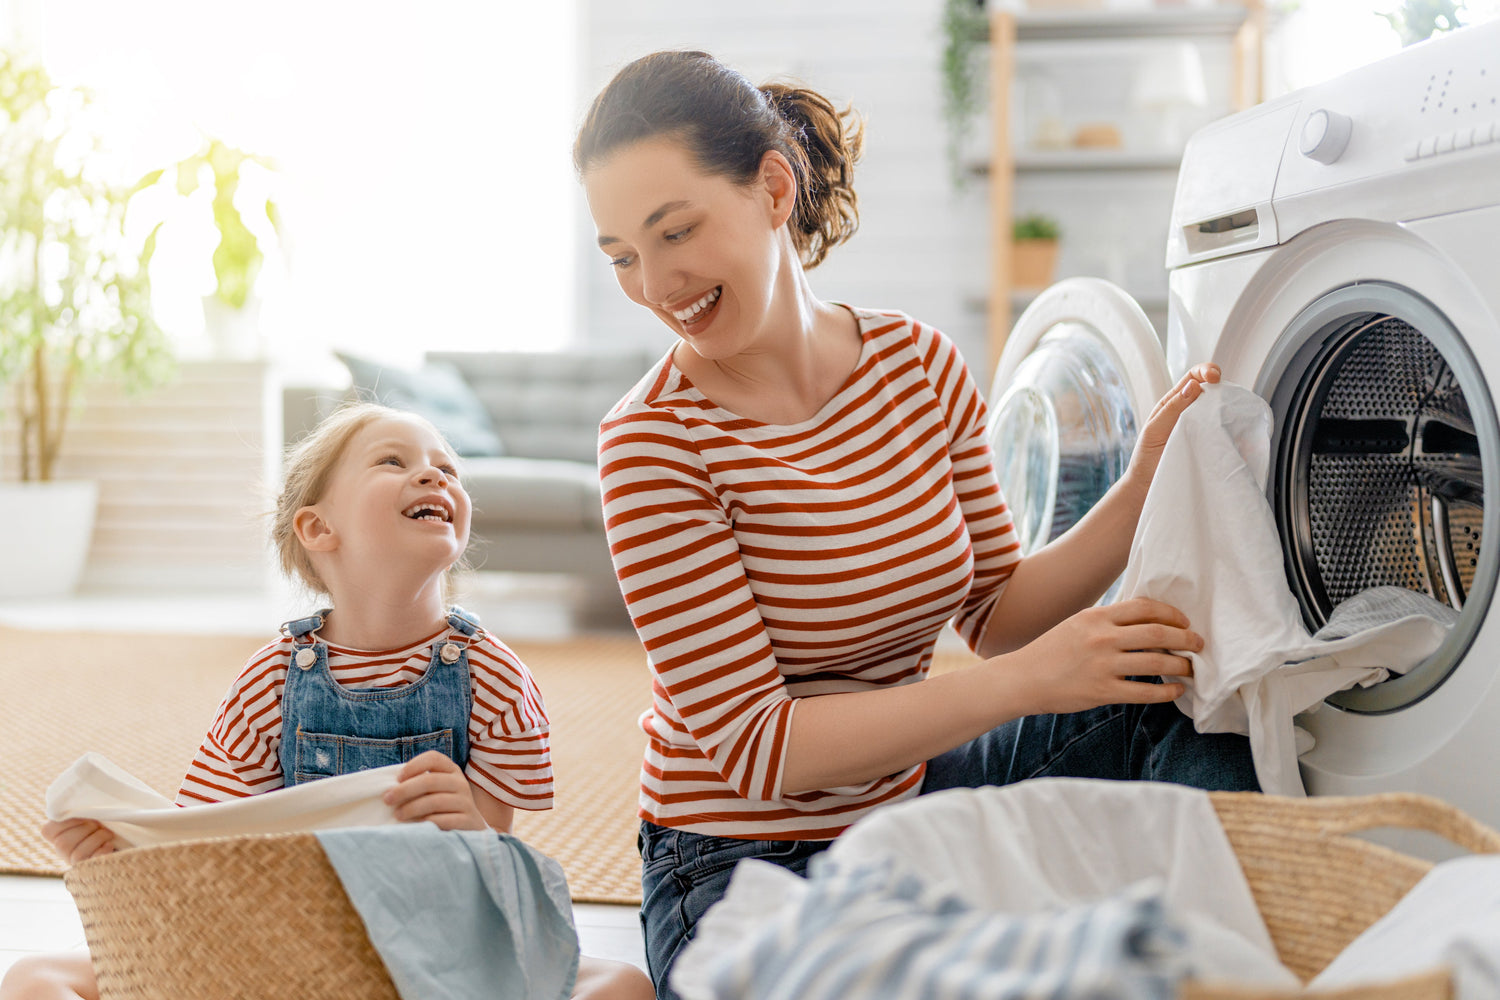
{"x": 1380, "y": 474}
{"x": 1081, "y": 371}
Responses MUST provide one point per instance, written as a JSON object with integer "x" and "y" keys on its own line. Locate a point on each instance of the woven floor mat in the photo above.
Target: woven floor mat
{"x": 145, "y": 702}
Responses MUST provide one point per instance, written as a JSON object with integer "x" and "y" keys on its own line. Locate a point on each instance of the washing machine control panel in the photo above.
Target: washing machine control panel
{"x": 1407, "y": 137}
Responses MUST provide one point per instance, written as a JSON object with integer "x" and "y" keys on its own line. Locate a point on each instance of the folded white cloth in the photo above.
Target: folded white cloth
{"x": 1451, "y": 918}
{"x": 1019, "y": 851}
{"x": 93, "y": 787}
{"x": 1207, "y": 544}
{"x": 1055, "y": 842}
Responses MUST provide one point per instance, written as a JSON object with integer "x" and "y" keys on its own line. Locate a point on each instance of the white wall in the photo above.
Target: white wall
{"x": 921, "y": 247}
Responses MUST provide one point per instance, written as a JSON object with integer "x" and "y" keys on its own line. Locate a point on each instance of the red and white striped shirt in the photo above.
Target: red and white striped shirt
{"x": 763, "y": 563}
{"x": 510, "y": 755}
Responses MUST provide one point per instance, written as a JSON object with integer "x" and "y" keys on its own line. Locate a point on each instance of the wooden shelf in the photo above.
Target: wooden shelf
{"x": 1051, "y": 161}
{"x": 1148, "y": 22}
{"x": 1241, "y": 25}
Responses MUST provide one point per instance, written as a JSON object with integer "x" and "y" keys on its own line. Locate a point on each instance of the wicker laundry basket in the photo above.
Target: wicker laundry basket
{"x": 1318, "y": 887}
{"x": 266, "y": 916}
{"x": 237, "y": 917}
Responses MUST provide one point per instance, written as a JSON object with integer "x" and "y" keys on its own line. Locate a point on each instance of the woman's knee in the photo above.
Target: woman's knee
{"x": 67, "y": 976}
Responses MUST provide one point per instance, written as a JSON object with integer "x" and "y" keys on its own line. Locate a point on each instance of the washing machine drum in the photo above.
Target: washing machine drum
{"x": 1379, "y": 476}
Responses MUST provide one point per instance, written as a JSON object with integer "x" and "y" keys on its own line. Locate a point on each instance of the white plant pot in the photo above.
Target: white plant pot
{"x": 233, "y": 334}
{"x": 45, "y": 531}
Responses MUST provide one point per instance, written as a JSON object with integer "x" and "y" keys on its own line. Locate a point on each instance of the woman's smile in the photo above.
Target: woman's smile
{"x": 696, "y": 316}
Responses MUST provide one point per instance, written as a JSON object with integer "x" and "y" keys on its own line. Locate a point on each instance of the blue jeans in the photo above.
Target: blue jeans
{"x": 683, "y": 873}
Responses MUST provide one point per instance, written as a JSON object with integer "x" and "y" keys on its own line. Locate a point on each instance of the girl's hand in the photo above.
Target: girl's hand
{"x": 1087, "y": 660}
{"x": 1153, "y": 438}
{"x": 433, "y": 788}
{"x": 79, "y": 839}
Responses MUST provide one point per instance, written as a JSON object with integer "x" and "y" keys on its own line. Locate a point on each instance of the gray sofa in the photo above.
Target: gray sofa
{"x": 536, "y": 506}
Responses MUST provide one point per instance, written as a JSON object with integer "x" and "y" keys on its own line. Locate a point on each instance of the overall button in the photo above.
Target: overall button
{"x": 306, "y": 658}
{"x": 449, "y": 653}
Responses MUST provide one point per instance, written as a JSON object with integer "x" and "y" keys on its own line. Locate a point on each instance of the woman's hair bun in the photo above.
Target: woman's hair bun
{"x": 728, "y": 125}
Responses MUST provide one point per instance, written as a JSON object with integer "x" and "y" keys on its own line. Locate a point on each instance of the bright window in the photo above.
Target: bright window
{"x": 423, "y": 177}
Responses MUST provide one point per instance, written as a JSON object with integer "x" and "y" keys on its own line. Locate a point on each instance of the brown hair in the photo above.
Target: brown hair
{"x": 309, "y": 465}
{"x": 728, "y": 124}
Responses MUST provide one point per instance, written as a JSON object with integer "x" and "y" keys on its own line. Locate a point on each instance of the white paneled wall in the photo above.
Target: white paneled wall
{"x": 182, "y": 473}
{"x": 922, "y": 247}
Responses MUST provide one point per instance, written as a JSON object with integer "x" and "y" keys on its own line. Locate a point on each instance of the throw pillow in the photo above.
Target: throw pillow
{"x": 437, "y": 392}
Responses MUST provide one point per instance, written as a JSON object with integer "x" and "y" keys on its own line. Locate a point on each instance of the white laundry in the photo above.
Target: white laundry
{"x": 94, "y": 787}
{"x": 1024, "y": 850}
{"x": 878, "y": 930}
{"x": 1207, "y": 544}
{"x": 1451, "y": 919}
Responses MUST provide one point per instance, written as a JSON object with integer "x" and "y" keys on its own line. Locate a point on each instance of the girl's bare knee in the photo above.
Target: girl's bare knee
{"x": 68, "y": 976}
{"x": 601, "y": 979}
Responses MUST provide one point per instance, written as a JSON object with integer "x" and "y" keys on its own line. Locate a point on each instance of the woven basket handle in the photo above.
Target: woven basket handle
{"x": 1406, "y": 810}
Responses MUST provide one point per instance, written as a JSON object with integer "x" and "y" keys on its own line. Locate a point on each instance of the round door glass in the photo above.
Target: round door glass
{"x": 1062, "y": 432}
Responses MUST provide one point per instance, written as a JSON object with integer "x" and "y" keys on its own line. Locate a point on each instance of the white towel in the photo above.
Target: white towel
{"x": 1451, "y": 918}
{"x": 1207, "y": 544}
{"x": 93, "y": 787}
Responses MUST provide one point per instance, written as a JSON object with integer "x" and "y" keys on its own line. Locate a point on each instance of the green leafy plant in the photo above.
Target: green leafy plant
{"x": 238, "y": 257}
{"x": 965, "y": 30}
{"x": 1418, "y": 20}
{"x": 1034, "y": 227}
{"x": 75, "y": 292}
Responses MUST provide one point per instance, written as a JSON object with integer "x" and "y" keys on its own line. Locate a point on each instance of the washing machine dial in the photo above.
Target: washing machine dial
{"x": 1324, "y": 135}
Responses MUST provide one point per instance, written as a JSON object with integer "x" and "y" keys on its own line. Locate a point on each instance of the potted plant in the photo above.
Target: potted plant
{"x": 1418, "y": 20}
{"x": 75, "y": 303}
{"x": 1033, "y": 255}
{"x": 965, "y": 32}
{"x": 231, "y": 312}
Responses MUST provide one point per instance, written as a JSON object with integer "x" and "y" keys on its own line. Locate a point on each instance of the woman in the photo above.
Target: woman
{"x": 801, "y": 494}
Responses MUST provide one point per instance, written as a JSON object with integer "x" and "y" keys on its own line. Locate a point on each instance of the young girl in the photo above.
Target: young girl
{"x": 372, "y": 513}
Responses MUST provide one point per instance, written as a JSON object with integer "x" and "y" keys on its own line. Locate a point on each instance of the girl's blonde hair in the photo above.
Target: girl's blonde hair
{"x": 309, "y": 465}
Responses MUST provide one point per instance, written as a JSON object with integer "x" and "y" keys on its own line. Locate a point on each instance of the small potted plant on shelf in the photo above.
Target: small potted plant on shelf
{"x": 1033, "y": 255}
{"x": 231, "y": 313}
{"x": 75, "y": 303}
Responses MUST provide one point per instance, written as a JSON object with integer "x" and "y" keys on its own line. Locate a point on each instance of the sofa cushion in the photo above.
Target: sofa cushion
{"x": 437, "y": 392}
{"x": 542, "y": 492}
{"x": 549, "y": 404}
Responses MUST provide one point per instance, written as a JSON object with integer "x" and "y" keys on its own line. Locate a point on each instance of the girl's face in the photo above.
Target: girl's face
{"x": 698, "y": 250}
{"x": 393, "y": 502}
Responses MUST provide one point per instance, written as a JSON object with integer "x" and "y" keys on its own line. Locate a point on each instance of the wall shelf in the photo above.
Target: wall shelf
{"x": 1228, "y": 37}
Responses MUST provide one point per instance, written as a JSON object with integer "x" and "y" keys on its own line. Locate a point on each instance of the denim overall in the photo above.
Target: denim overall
{"x": 328, "y": 729}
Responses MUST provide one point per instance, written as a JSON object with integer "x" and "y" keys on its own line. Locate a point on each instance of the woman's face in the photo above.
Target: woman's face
{"x": 698, "y": 250}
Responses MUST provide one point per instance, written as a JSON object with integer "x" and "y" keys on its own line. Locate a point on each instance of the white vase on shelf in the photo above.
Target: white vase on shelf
{"x": 233, "y": 333}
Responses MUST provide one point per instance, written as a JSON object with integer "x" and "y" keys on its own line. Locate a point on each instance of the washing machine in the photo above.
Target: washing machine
{"x": 1337, "y": 250}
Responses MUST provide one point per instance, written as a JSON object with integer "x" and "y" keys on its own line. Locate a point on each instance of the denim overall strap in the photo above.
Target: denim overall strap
{"x": 328, "y": 729}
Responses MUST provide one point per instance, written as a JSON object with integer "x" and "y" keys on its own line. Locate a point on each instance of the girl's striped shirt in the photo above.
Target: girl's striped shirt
{"x": 510, "y": 755}
{"x": 764, "y": 563}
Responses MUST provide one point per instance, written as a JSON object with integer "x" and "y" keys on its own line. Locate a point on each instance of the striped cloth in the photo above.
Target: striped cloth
{"x": 764, "y": 563}
{"x": 877, "y": 931}
{"x": 510, "y": 754}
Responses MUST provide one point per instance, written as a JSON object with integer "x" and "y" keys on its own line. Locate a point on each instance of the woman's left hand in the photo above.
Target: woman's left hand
{"x": 1153, "y": 438}
{"x": 432, "y": 787}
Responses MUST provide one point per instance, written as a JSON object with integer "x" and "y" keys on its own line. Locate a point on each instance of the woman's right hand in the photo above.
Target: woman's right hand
{"x": 79, "y": 839}
{"x": 1088, "y": 660}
